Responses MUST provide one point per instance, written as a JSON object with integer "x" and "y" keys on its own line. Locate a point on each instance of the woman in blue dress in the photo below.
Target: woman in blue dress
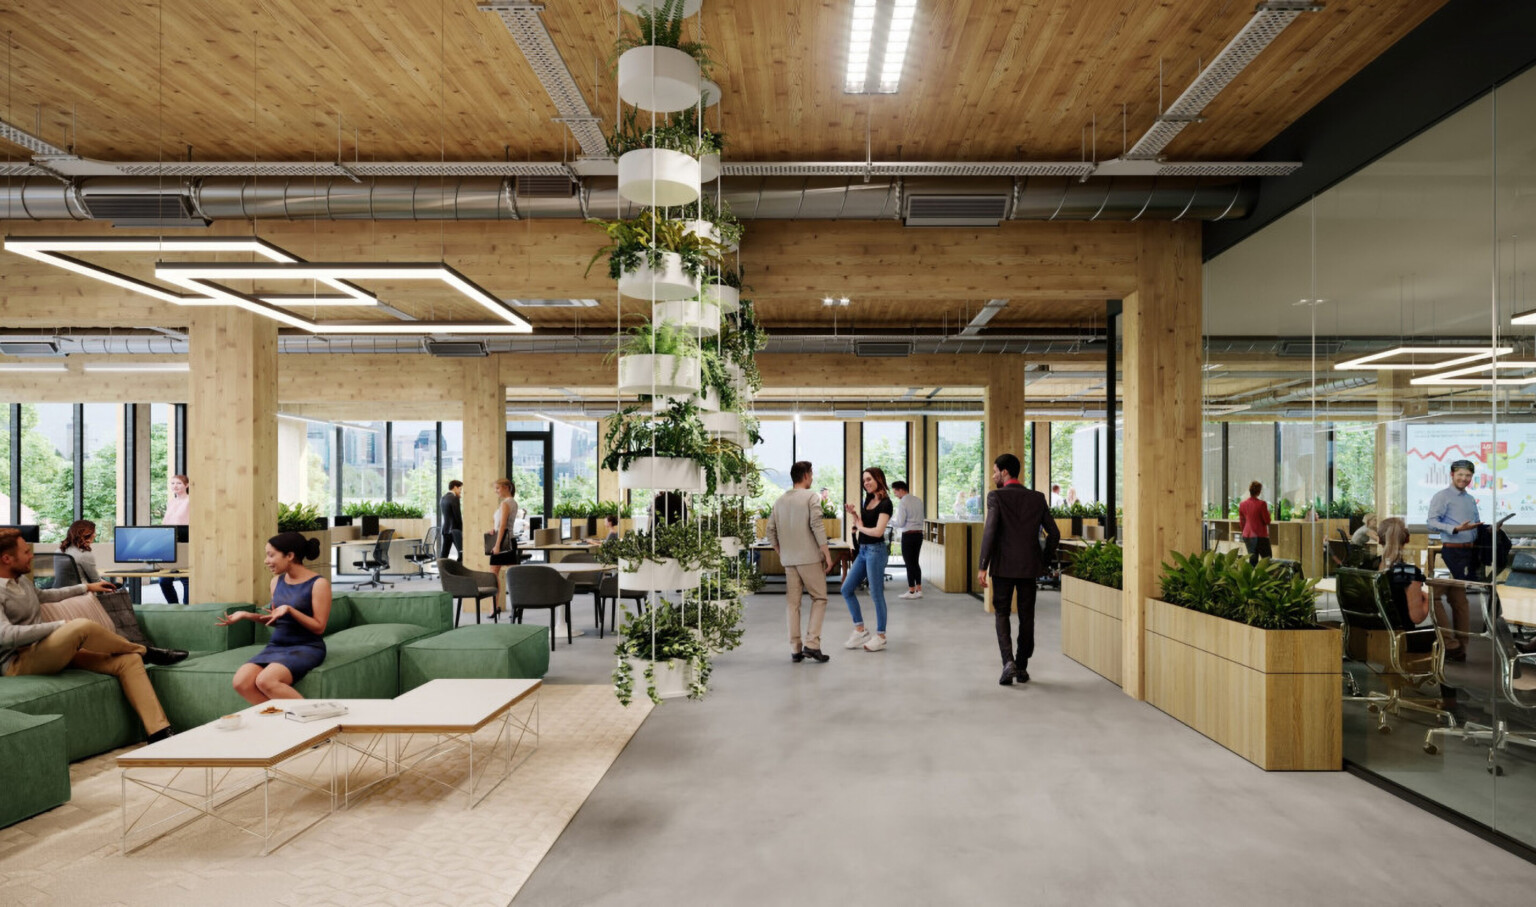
{"x": 301, "y": 606}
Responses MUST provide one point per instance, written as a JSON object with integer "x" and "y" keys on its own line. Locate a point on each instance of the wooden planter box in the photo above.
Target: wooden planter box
{"x": 1272, "y": 696}
{"x": 406, "y": 528}
{"x": 1064, "y": 526}
{"x": 1090, "y": 626}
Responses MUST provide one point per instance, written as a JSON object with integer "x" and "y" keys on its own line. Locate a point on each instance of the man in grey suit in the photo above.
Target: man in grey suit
{"x": 1010, "y": 547}
{"x": 797, "y": 533}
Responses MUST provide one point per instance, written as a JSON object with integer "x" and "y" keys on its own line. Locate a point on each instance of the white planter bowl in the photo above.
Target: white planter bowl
{"x": 727, "y": 426}
{"x": 663, "y": 79}
{"x": 670, "y": 678}
{"x": 666, "y": 473}
{"x": 664, "y": 283}
{"x": 658, "y": 177}
{"x": 708, "y": 403}
{"x": 730, "y": 545}
{"x": 702, "y": 229}
{"x": 732, "y": 490}
{"x": 727, "y": 298}
{"x": 649, "y": 576}
{"x": 648, "y": 374}
{"x": 709, "y": 167}
{"x": 690, "y": 7}
{"x": 698, "y": 317}
{"x": 709, "y": 92}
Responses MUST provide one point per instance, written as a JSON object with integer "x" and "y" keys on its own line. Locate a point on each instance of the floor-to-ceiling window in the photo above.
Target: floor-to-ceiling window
{"x": 362, "y": 462}
{"x": 47, "y": 467}
{"x": 962, "y": 476}
{"x": 774, "y": 454}
{"x": 575, "y": 467}
{"x": 98, "y": 487}
{"x": 162, "y": 418}
{"x": 821, "y": 442}
{"x": 6, "y": 410}
{"x": 413, "y": 465}
{"x": 885, "y": 446}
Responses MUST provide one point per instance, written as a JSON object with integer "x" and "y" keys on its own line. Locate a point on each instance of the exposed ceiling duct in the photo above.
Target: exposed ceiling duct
{"x": 1311, "y": 393}
{"x": 497, "y": 198}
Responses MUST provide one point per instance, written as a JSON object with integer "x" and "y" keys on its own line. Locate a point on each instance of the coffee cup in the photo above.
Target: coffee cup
{"x": 230, "y": 722}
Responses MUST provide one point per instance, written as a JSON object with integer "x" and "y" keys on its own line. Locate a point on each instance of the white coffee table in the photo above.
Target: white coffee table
{"x": 228, "y": 759}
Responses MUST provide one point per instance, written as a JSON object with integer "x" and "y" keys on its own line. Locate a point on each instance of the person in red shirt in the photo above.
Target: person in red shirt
{"x": 1253, "y": 513}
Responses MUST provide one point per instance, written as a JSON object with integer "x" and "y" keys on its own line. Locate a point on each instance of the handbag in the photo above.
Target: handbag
{"x": 490, "y": 544}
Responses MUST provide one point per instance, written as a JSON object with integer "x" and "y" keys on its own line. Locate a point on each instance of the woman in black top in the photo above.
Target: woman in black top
{"x": 1410, "y": 603}
{"x": 868, "y": 524}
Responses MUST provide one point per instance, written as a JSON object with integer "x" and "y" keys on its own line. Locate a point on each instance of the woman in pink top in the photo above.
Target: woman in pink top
{"x": 1254, "y": 515}
{"x": 178, "y": 512}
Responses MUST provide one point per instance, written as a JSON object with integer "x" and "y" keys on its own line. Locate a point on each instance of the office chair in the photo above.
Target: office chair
{"x": 1374, "y": 637}
{"x": 1487, "y": 679}
{"x": 424, "y": 552}
{"x": 538, "y": 586}
{"x": 66, "y": 572}
{"x": 586, "y": 584}
{"x": 376, "y": 563}
{"x": 461, "y": 582}
{"x": 609, "y": 593}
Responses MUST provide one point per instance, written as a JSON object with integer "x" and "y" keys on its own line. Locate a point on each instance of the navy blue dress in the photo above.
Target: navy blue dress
{"x": 293, "y": 645}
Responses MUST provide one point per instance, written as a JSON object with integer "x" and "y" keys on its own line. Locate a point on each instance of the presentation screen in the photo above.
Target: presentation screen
{"x": 1432, "y": 448}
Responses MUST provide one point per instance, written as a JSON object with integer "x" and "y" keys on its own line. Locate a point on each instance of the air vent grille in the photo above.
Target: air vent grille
{"x": 456, "y": 349}
{"x": 545, "y": 187}
{"x": 956, "y": 210}
{"x": 142, "y": 209}
{"x": 1305, "y": 349}
{"x": 883, "y": 349}
{"x": 29, "y": 348}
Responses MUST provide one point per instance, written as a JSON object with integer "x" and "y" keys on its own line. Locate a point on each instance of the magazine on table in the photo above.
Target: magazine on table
{"x": 315, "y": 710}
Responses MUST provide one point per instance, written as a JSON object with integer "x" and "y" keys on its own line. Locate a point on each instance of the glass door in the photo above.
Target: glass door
{"x": 530, "y": 454}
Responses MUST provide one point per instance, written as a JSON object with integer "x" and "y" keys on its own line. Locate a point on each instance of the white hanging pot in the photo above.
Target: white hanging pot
{"x": 663, "y": 79}
{"x": 690, "y": 7}
{"x": 727, "y": 298}
{"x": 702, "y": 229}
{"x": 668, "y": 281}
{"x": 649, "y": 374}
{"x": 709, "y": 92}
{"x": 709, "y": 402}
{"x": 732, "y": 490}
{"x": 738, "y": 377}
{"x": 709, "y": 167}
{"x": 670, "y": 677}
{"x": 697, "y": 317}
{"x": 667, "y": 473}
{"x": 730, "y": 545}
{"x": 658, "y": 177}
{"x": 649, "y": 576}
{"x": 727, "y": 426}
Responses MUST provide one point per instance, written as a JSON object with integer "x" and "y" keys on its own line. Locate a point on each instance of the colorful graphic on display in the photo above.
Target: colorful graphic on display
{"x": 1433, "y": 448}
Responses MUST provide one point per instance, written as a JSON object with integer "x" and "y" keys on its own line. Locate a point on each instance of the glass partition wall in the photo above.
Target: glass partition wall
{"x": 1420, "y": 264}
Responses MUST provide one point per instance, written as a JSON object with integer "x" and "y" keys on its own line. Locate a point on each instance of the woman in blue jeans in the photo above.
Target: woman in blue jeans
{"x": 868, "y": 524}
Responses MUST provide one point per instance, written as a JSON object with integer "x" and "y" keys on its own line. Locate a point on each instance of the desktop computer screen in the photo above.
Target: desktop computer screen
{"x": 29, "y": 532}
{"x": 565, "y": 528}
{"x": 144, "y": 544}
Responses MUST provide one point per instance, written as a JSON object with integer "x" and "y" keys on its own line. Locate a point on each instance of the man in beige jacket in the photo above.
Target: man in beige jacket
{"x": 796, "y": 532}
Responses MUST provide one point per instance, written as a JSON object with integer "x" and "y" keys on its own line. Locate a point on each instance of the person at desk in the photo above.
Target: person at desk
{"x": 613, "y": 532}
{"x": 798, "y": 535}
{"x": 1367, "y": 534}
{"x": 872, "y": 553}
{"x": 178, "y": 512}
{"x": 908, "y": 529}
{"x": 300, "y": 609}
{"x": 1453, "y": 514}
{"x": 453, "y": 520}
{"x": 30, "y": 645}
{"x": 77, "y": 544}
{"x": 1410, "y": 601}
{"x": 1011, "y": 553}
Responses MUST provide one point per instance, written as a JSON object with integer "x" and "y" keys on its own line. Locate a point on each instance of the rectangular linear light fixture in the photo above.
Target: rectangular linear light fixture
{"x": 1452, "y": 356}
{"x": 883, "y": 23}
{"x": 1461, "y": 377}
{"x": 139, "y": 367}
{"x": 200, "y": 277}
{"x": 33, "y": 367}
{"x": 48, "y": 249}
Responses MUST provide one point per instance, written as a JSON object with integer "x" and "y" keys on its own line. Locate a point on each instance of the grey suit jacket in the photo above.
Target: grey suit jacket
{"x": 795, "y": 527}
{"x": 1010, "y": 543}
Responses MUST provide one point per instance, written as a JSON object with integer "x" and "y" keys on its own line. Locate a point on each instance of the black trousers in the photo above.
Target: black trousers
{"x": 911, "y": 547}
{"x": 1003, "y": 590}
{"x": 452, "y": 538}
{"x": 1258, "y": 546}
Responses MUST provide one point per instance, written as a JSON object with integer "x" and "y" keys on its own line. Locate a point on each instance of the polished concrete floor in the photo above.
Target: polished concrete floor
{"x": 910, "y": 777}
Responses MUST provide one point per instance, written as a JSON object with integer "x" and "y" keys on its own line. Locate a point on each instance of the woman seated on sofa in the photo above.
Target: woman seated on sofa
{"x": 300, "y": 609}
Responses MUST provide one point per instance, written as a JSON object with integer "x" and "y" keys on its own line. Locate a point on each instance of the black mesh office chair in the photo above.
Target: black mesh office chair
{"x": 1404, "y": 657}
{"x": 1486, "y": 682}
{"x": 425, "y": 552}
{"x": 377, "y": 562}
{"x": 538, "y": 586}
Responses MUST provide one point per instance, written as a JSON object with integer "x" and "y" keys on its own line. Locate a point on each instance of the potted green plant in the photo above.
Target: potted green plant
{"x": 657, "y": 358}
{"x": 725, "y": 289}
{"x": 1235, "y": 652}
{"x": 658, "y": 70}
{"x": 714, "y": 220}
{"x": 663, "y": 450}
{"x": 1091, "y": 627}
{"x": 662, "y": 558}
{"x": 710, "y": 143}
{"x": 657, "y": 165}
{"x": 655, "y": 258}
{"x": 306, "y": 519}
{"x": 671, "y": 659}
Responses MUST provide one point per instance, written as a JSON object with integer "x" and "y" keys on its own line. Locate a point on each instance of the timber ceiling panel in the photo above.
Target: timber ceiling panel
{"x": 985, "y": 80}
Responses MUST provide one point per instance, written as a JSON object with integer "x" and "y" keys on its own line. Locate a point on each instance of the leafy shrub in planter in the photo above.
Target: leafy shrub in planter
{"x": 389, "y": 510}
{"x": 299, "y": 518}
{"x": 731, "y": 230}
{"x": 662, "y": 26}
{"x": 667, "y": 135}
{"x": 1265, "y": 595}
{"x": 674, "y": 432}
{"x": 1101, "y": 563}
{"x": 646, "y": 238}
{"x": 683, "y": 541}
{"x": 659, "y": 636}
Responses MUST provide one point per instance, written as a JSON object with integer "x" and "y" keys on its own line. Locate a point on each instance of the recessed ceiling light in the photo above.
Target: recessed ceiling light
{"x": 33, "y": 367}
{"x": 1460, "y": 376}
{"x": 828, "y": 301}
{"x": 1445, "y": 357}
{"x": 886, "y": 24}
{"x": 138, "y": 367}
{"x": 553, "y": 303}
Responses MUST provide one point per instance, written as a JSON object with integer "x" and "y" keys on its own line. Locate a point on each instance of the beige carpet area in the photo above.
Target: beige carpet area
{"x": 410, "y": 842}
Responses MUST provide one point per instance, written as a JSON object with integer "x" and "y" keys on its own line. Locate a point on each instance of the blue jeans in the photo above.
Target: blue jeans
{"x": 870, "y": 563}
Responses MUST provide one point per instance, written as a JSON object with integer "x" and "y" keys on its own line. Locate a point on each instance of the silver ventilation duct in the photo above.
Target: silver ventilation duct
{"x": 430, "y": 198}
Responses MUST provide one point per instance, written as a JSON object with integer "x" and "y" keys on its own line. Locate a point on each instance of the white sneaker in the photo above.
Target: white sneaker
{"x": 917, "y": 594}
{"x": 910, "y": 594}
{"x": 875, "y": 644}
{"x": 859, "y": 638}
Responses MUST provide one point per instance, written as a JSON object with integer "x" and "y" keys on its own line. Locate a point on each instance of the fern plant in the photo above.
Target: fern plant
{"x": 676, "y": 432}
{"x": 647, "y": 238}
{"x": 662, "y": 26}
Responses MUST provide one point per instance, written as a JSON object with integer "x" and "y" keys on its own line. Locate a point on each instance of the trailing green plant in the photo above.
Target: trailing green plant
{"x": 727, "y": 277}
{"x": 389, "y": 510}
{"x": 713, "y": 142}
{"x": 298, "y": 518}
{"x": 733, "y": 521}
{"x": 683, "y": 541}
{"x": 647, "y": 238}
{"x": 675, "y": 431}
{"x": 664, "y": 339}
{"x": 714, "y": 613}
{"x": 731, "y": 230}
{"x": 1266, "y": 595}
{"x": 662, "y": 26}
{"x": 632, "y": 134}
{"x": 715, "y": 377}
{"x": 1100, "y": 563}
{"x": 659, "y": 637}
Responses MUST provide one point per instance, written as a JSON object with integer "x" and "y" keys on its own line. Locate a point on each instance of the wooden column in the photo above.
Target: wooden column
{"x": 1162, "y": 324}
{"x": 607, "y": 479}
{"x": 931, "y": 466}
{"x": 1042, "y": 433}
{"x": 485, "y": 453}
{"x": 232, "y": 453}
{"x": 853, "y": 464}
{"x": 1004, "y": 407}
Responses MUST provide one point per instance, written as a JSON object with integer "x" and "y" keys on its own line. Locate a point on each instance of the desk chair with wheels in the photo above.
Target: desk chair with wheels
{"x": 588, "y": 583}
{"x": 461, "y": 582}
{"x": 538, "y": 586}
{"x": 377, "y": 562}
{"x": 424, "y": 552}
{"x": 1374, "y": 636}
{"x": 66, "y": 572}
{"x": 1487, "y": 681}
{"x": 608, "y": 591}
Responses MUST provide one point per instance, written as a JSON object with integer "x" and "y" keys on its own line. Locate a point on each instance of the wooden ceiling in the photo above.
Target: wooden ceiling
{"x": 417, "y": 80}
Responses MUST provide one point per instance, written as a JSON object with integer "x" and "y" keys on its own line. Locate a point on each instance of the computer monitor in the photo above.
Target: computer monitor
{"x": 535, "y": 523}
{"x": 565, "y": 528}
{"x": 29, "y": 532}
{"x": 370, "y": 527}
{"x": 144, "y": 544}
{"x": 341, "y": 520}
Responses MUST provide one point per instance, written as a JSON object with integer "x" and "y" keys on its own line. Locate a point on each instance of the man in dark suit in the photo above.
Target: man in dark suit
{"x": 453, "y": 520}
{"x": 1010, "y": 547}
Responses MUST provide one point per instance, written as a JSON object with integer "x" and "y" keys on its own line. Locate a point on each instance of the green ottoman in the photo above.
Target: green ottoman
{"x": 482, "y": 651}
{"x": 33, "y": 764}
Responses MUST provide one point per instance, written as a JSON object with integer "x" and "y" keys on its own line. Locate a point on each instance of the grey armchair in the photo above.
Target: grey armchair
{"x": 461, "y": 583}
{"x": 538, "y": 586}
{"x": 608, "y": 591}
